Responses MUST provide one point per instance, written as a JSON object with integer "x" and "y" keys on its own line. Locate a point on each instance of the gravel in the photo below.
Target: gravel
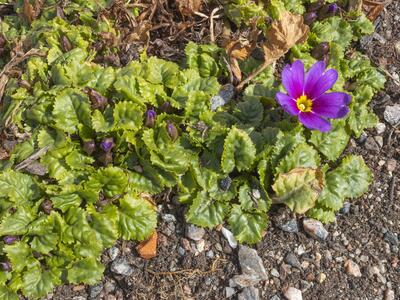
{"x": 392, "y": 114}
{"x": 229, "y": 292}
{"x": 352, "y": 268}
{"x": 292, "y": 293}
{"x": 251, "y": 263}
{"x": 249, "y": 293}
{"x": 290, "y": 226}
{"x": 95, "y": 290}
{"x": 230, "y": 237}
{"x": 292, "y": 260}
{"x": 315, "y": 229}
{"x": 194, "y": 233}
{"x": 121, "y": 267}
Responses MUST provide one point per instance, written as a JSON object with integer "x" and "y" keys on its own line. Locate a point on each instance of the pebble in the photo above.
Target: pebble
{"x": 379, "y": 141}
{"x": 95, "y": 290}
{"x": 352, "y": 268}
{"x": 315, "y": 229}
{"x": 275, "y": 273}
{"x": 292, "y": 260}
{"x": 121, "y": 267}
{"x": 397, "y": 47}
{"x": 229, "y": 292}
{"x": 292, "y": 293}
{"x": 321, "y": 277}
{"x": 345, "y": 209}
{"x": 109, "y": 287}
{"x": 300, "y": 250}
{"x": 200, "y": 245}
{"x": 364, "y": 258}
{"x": 244, "y": 280}
{"x": 251, "y": 263}
{"x": 249, "y": 293}
{"x": 362, "y": 138}
{"x": 275, "y": 297}
{"x": 391, "y": 165}
{"x": 391, "y": 238}
{"x": 181, "y": 251}
{"x": 370, "y": 144}
{"x": 230, "y": 237}
{"x": 169, "y": 218}
{"x": 392, "y": 114}
{"x": 113, "y": 252}
{"x": 210, "y": 254}
{"x": 194, "y": 233}
{"x": 290, "y": 226}
{"x": 380, "y": 128}
{"x": 389, "y": 295}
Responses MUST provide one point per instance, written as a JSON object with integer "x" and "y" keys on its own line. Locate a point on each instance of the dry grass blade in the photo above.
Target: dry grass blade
{"x": 189, "y": 7}
{"x": 283, "y": 35}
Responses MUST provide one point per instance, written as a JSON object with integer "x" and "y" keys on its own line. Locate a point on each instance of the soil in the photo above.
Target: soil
{"x": 366, "y": 234}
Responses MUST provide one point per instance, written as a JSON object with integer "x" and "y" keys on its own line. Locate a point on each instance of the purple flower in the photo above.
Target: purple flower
{"x": 306, "y": 95}
{"x": 107, "y": 144}
{"x": 10, "y": 239}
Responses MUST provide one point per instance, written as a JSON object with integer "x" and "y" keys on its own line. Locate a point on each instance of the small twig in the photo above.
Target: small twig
{"x": 395, "y": 80}
{"x": 32, "y": 158}
{"x": 229, "y": 69}
{"x": 189, "y": 271}
{"x": 253, "y": 75}
{"x": 377, "y": 3}
{"x": 391, "y": 190}
{"x": 212, "y": 16}
{"x": 197, "y": 13}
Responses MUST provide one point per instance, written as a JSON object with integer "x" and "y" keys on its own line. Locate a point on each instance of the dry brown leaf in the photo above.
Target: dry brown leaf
{"x": 189, "y": 7}
{"x": 283, "y": 35}
{"x": 375, "y": 12}
{"x": 239, "y": 49}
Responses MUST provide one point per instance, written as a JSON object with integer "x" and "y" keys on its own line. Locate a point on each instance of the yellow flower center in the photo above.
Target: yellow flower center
{"x": 304, "y": 104}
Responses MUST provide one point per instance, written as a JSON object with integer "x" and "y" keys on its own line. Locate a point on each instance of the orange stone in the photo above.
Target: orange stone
{"x": 148, "y": 249}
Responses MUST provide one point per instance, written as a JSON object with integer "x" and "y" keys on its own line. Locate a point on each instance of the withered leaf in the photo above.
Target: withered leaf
{"x": 283, "y": 35}
{"x": 238, "y": 50}
{"x": 189, "y": 7}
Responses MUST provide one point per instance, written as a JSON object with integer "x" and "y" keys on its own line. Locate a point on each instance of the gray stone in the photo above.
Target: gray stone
{"x": 345, "y": 209}
{"x": 210, "y": 254}
{"x": 379, "y": 141}
{"x": 251, "y": 263}
{"x": 113, "y": 252}
{"x": 292, "y": 293}
{"x": 292, "y": 260}
{"x": 371, "y": 144}
{"x": 181, "y": 251}
{"x": 224, "y": 96}
{"x": 121, "y": 267}
{"x": 275, "y": 273}
{"x": 275, "y": 297}
{"x": 249, "y": 293}
{"x": 95, "y": 290}
{"x": 315, "y": 229}
{"x": 290, "y": 226}
{"x": 229, "y": 292}
{"x": 230, "y": 237}
{"x": 109, "y": 287}
{"x": 169, "y": 218}
{"x": 194, "y": 233}
{"x": 380, "y": 128}
{"x": 392, "y": 114}
{"x": 391, "y": 238}
{"x": 244, "y": 280}
{"x": 363, "y": 137}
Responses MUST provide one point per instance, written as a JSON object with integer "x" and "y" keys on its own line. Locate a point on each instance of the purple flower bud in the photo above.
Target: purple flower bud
{"x": 151, "y": 116}
{"x": 309, "y": 18}
{"x": 47, "y": 206}
{"x": 5, "y": 266}
{"x": 327, "y": 11}
{"x": 10, "y": 239}
{"x": 225, "y": 183}
{"x": 166, "y": 107}
{"x": 89, "y": 147}
{"x": 172, "y": 131}
{"x": 65, "y": 44}
{"x": 98, "y": 101}
{"x": 107, "y": 144}
{"x": 320, "y": 50}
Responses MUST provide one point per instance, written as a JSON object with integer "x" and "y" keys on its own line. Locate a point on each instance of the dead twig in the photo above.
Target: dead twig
{"x": 253, "y": 75}
{"x": 212, "y": 17}
{"x": 32, "y": 158}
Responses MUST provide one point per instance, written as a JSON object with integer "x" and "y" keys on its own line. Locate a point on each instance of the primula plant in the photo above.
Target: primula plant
{"x": 86, "y": 145}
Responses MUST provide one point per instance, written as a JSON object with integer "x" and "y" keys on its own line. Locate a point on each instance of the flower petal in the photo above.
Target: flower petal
{"x": 293, "y": 79}
{"x": 287, "y": 103}
{"x": 312, "y": 121}
{"x": 325, "y": 82}
{"x": 332, "y": 105}
{"x": 313, "y": 76}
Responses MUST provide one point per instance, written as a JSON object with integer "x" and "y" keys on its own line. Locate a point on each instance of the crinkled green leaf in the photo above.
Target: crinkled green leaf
{"x": 137, "y": 218}
{"x": 206, "y": 212}
{"x": 127, "y": 116}
{"x": 298, "y": 189}
{"x": 87, "y": 270}
{"x": 239, "y": 151}
{"x": 16, "y": 223}
{"x": 247, "y": 226}
{"x": 323, "y": 215}
{"x": 333, "y": 29}
{"x": 18, "y": 187}
{"x": 303, "y": 156}
{"x": 105, "y": 223}
{"x": 39, "y": 282}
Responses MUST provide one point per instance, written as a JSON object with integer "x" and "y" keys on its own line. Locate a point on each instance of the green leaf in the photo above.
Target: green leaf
{"x": 18, "y": 187}
{"x": 298, "y": 189}
{"x": 333, "y": 29}
{"x": 137, "y": 218}
{"x": 127, "y": 116}
{"x": 39, "y": 282}
{"x": 65, "y": 201}
{"x": 159, "y": 71}
{"x": 239, "y": 151}
{"x": 103, "y": 122}
{"x": 303, "y": 156}
{"x": 247, "y": 226}
{"x": 360, "y": 118}
{"x": 7, "y": 294}
{"x": 206, "y": 212}
{"x": 87, "y": 270}
{"x": 16, "y": 223}
{"x": 331, "y": 144}
{"x": 323, "y": 215}
{"x": 105, "y": 223}
{"x": 20, "y": 256}
{"x": 250, "y": 112}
